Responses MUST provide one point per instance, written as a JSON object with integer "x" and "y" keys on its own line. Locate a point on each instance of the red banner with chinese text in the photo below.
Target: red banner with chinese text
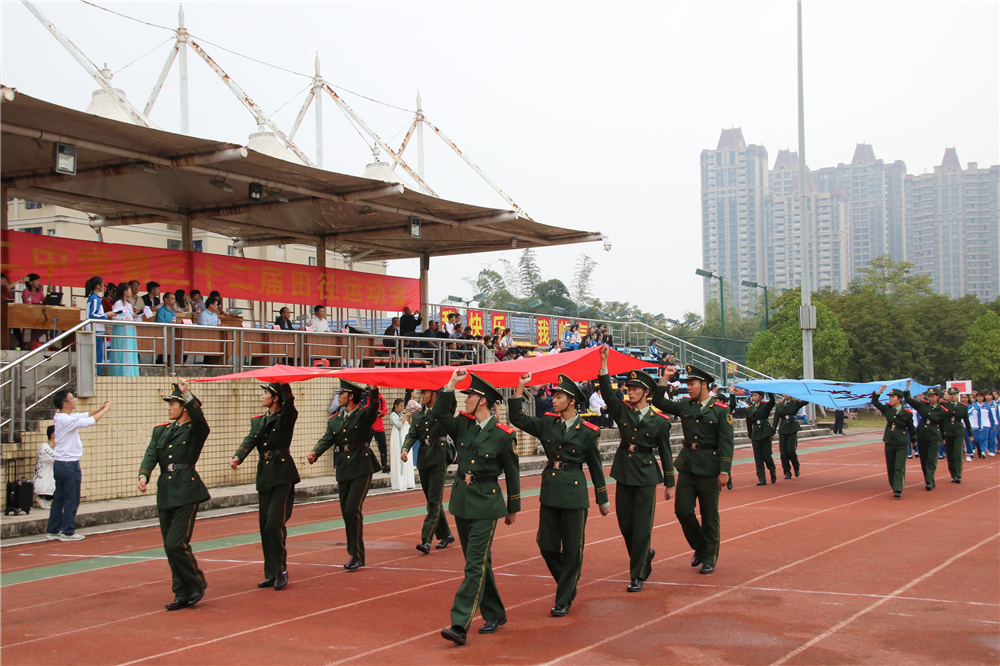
{"x": 498, "y": 319}
{"x": 65, "y": 262}
{"x": 561, "y": 326}
{"x": 584, "y": 328}
{"x": 475, "y": 321}
{"x": 444, "y": 315}
{"x": 542, "y": 325}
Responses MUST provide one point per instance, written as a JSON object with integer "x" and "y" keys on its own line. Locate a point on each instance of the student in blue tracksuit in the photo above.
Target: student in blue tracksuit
{"x": 982, "y": 424}
{"x": 991, "y": 440}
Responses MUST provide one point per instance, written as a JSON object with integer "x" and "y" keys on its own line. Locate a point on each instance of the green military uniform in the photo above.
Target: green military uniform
{"x": 644, "y": 435}
{"x": 485, "y": 451}
{"x": 899, "y": 432}
{"x": 932, "y": 417}
{"x": 707, "y": 453}
{"x": 432, "y": 465}
{"x": 562, "y": 517}
{"x": 175, "y": 448}
{"x": 760, "y": 431}
{"x": 787, "y": 425}
{"x": 954, "y": 435}
{"x": 350, "y": 435}
{"x": 271, "y": 434}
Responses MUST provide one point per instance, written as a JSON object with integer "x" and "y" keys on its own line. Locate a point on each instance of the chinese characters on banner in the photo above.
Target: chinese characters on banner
{"x": 444, "y": 315}
{"x": 498, "y": 319}
{"x": 542, "y": 327}
{"x": 731, "y": 368}
{"x": 475, "y": 321}
{"x": 67, "y": 262}
{"x": 561, "y": 326}
{"x": 584, "y": 328}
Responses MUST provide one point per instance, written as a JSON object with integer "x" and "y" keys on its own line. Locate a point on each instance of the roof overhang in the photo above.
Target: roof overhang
{"x": 128, "y": 174}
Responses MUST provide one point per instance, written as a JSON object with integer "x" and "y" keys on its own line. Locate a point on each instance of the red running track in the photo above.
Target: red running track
{"x": 824, "y": 569}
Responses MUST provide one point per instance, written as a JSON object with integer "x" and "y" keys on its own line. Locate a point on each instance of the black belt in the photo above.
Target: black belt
{"x": 175, "y": 467}
{"x": 470, "y": 478}
{"x": 436, "y": 440}
{"x": 349, "y": 447}
{"x": 634, "y": 447}
{"x": 694, "y": 446}
{"x": 271, "y": 454}
{"x": 552, "y": 464}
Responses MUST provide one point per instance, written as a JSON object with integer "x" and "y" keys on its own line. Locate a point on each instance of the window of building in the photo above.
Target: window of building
{"x": 33, "y": 230}
{"x": 32, "y": 205}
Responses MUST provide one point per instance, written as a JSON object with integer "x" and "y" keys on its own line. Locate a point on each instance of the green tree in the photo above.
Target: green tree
{"x": 941, "y": 325}
{"x": 582, "y": 278}
{"x": 553, "y": 293}
{"x": 529, "y": 274}
{"x": 893, "y": 279}
{"x": 981, "y": 351}
{"x": 492, "y": 284}
{"x": 778, "y": 350}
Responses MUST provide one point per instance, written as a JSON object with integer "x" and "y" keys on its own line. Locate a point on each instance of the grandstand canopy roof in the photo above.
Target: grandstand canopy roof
{"x": 127, "y": 174}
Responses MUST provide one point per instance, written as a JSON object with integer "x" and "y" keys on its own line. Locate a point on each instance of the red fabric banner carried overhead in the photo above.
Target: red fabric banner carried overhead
{"x": 498, "y": 319}
{"x": 475, "y": 321}
{"x": 579, "y": 365}
{"x": 542, "y": 325}
{"x": 65, "y": 262}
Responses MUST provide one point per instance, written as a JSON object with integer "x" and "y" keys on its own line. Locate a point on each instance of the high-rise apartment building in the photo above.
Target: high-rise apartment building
{"x": 953, "y": 227}
{"x": 733, "y": 187}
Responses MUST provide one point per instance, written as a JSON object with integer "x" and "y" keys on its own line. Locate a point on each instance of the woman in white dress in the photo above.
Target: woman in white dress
{"x": 45, "y": 482}
{"x": 400, "y": 473}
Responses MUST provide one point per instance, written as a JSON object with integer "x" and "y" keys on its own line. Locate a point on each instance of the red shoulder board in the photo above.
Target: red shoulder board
{"x": 506, "y": 428}
{"x": 662, "y": 415}
{"x": 163, "y": 424}
{"x": 467, "y": 415}
{"x": 722, "y": 404}
{"x": 551, "y": 414}
{"x": 258, "y": 416}
{"x": 590, "y": 425}
{"x": 331, "y": 416}
{"x": 943, "y": 407}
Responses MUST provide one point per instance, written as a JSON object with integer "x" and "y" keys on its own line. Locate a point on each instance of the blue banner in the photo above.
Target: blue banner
{"x": 834, "y": 395}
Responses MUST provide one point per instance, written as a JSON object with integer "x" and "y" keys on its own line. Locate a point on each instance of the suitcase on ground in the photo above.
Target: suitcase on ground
{"x": 20, "y": 496}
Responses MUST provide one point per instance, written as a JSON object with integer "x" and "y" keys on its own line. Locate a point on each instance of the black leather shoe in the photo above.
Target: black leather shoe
{"x": 649, "y": 563}
{"x": 635, "y": 585}
{"x": 695, "y": 560}
{"x": 176, "y": 604}
{"x": 266, "y": 583}
{"x": 385, "y": 470}
{"x": 424, "y": 547}
{"x": 762, "y": 483}
{"x": 774, "y": 477}
{"x": 455, "y": 634}
{"x": 281, "y": 582}
{"x": 788, "y": 475}
{"x": 559, "y": 610}
{"x": 796, "y": 472}
{"x": 706, "y": 568}
{"x": 445, "y": 542}
{"x": 897, "y": 494}
{"x": 195, "y": 598}
{"x": 491, "y": 626}
{"x": 354, "y": 564}
{"x": 958, "y": 479}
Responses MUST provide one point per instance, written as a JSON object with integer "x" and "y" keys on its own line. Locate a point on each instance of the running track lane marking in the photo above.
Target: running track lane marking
{"x": 760, "y": 577}
{"x": 843, "y": 623}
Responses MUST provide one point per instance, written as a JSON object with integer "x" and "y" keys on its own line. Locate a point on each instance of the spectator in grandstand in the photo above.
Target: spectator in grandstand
{"x": 151, "y": 299}
{"x": 210, "y": 315}
{"x": 284, "y": 320}
{"x": 218, "y": 301}
{"x": 318, "y": 322}
{"x": 182, "y": 305}
{"x": 197, "y": 302}
{"x": 408, "y": 322}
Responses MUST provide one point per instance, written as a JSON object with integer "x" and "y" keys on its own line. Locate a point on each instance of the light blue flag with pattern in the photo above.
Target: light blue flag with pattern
{"x": 834, "y": 395}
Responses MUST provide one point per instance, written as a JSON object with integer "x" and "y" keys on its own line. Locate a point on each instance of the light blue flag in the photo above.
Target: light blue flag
{"x": 834, "y": 395}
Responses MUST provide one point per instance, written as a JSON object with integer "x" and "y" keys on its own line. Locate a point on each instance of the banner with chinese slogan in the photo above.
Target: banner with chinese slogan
{"x": 542, "y": 325}
{"x": 561, "y": 326}
{"x": 65, "y": 262}
{"x": 475, "y": 321}
{"x": 584, "y": 328}
{"x": 444, "y": 315}
{"x": 498, "y": 319}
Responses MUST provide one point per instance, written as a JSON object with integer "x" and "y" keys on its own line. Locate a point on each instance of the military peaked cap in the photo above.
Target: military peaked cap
{"x": 572, "y": 389}
{"x": 934, "y": 390}
{"x": 897, "y": 392}
{"x": 350, "y": 387}
{"x": 480, "y": 386}
{"x": 640, "y": 379}
{"x": 953, "y": 391}
{"x": 694, "y": 372}
{"x": 175, "y": 395}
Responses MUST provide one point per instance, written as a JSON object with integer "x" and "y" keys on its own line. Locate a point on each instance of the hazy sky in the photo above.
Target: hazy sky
{"x": 590, "y": 115}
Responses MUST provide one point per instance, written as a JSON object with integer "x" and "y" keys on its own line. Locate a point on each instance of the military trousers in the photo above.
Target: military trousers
{"x": 787, "y": 446}
{"x": 635, "y": 507}
{"x": 953, "y": 446}
{"x": 763, "y": 457}
{"x": 478, "y": 589}
{"x": 436, "y": 522}
{"x": 560, "y": 540}
{"x": 177, "y": 526}
{"x": 927, "y": 450}
{"x": 895, "y": 465}
{"x": 274, "y": 508}
{"x": 352, "y": 500}
{"x": 703, "y": 537}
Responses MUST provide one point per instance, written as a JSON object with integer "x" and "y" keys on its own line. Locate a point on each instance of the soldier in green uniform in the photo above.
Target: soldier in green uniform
{"x": 644, "y": 434}
{"x": 954, "y": 436}
{"x": 175, "y": 446}
{"x": 271, "y": 434}
{"x": 899, "y": 432}
{"x": 569, "y": 442}
{"x": 486, "y": 449}
{"x": 432, "y": 465}
{"x": 932, "y": 418}
{"x": 787, "y": 425}
{"x": 760, "y": 431}
{"x": 349, "y": 432}
{"x": 703, "y": 465}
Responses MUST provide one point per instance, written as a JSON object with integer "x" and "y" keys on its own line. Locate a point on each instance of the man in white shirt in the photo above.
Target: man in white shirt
{"x": 210, "y": 315}
{"x": 318, "y": 322}
{"x": 66, "y": 468}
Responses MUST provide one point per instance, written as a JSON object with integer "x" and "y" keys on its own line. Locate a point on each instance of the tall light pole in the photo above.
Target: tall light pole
{"x": 754, "y": 285}
{"x": 807, "y": 313}
{"x": 722, "y": 296}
